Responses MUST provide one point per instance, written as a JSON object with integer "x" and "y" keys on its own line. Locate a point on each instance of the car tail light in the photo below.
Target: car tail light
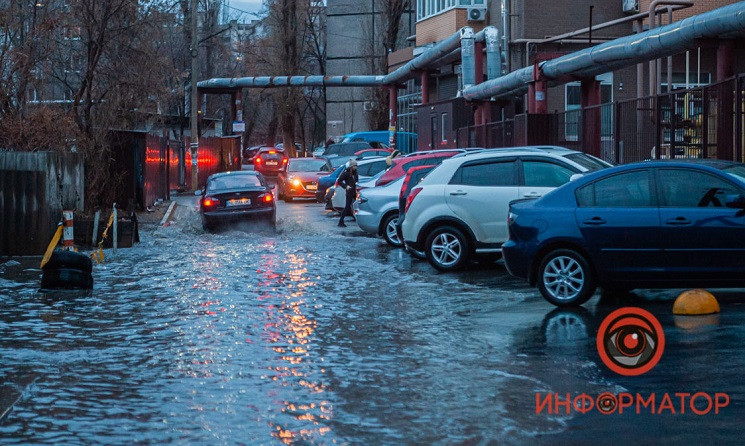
{"x": 267, "y": 198}
{"x": 284, "y": 161}
{"x": 272, "y": 152}
{"x": 210, "y": 202}
{"x": 257, "y": 160}
{"x": 414, "y": 192}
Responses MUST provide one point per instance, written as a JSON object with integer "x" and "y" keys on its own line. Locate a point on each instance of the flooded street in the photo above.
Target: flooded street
{"x": 318, "y": 334}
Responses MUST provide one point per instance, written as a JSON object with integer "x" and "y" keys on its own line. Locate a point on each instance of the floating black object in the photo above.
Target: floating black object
{"x": 67, "y": 270}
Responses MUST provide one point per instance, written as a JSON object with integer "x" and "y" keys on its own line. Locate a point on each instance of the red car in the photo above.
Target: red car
{"x": 300, "y": 179}
{"x": 403, "y": 164}
{"x": 370, "y": 153}
{"x": 270, "y": 161}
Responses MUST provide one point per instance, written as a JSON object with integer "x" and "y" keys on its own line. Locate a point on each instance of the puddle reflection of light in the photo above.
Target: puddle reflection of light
{"x": 290, "y": 332}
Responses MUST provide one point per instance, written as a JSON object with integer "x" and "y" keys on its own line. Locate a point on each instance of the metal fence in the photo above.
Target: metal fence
{"x": 704, "y": 122}
{"x": 493, "y": 134}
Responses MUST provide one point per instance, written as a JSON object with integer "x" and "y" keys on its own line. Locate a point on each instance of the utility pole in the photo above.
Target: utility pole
{"x": 194, "y": 52}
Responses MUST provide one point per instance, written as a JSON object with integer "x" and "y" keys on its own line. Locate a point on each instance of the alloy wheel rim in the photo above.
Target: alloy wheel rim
{"x": 392, "y": 232}
{"x": 446, "y": 249}
{"x": 564, "y": 278}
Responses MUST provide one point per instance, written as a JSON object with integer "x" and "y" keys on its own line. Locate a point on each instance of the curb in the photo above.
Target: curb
{"x": 167, "y": 216}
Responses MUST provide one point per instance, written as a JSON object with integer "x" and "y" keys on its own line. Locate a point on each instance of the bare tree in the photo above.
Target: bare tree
{"x": 387, "y": 25}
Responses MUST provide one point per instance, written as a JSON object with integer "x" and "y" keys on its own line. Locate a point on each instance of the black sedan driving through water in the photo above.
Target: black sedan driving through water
{"x": 242, "y": 196}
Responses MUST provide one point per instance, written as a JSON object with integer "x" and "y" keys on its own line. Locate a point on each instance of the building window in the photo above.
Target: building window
{"x": 428, "y": 8}
{"x": 573, "y": 106}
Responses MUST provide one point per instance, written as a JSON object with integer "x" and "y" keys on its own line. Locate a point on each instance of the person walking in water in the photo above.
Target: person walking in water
{"x": 348, "y": 182}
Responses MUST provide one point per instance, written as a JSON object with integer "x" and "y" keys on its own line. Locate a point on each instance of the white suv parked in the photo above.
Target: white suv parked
{"x": 460, "y": 208}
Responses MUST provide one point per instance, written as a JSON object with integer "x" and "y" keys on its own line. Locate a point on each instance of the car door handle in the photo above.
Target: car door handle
{"x": 532, "y": 195}
{"x": 594, "y": 221}
{"x": 680, "y": 221}
{"x": 458, "y": 192}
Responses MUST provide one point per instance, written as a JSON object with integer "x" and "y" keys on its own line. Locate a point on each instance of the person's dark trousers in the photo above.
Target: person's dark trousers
{"x": 347, "y": 207}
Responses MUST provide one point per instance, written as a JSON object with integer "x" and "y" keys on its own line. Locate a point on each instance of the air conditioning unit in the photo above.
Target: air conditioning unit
{"x": 368, "y": 106}
{"x": 477, "y": 14}
{"x": 630, "y": 6}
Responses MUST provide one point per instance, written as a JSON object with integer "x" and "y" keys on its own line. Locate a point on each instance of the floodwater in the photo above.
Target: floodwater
{"x": 322, "y": 335}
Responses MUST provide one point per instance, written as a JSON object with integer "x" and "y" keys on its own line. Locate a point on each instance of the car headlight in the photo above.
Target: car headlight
{"x": 296, "y": 182}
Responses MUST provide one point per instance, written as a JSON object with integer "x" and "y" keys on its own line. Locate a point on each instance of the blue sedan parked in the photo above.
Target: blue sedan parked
{"x": 660, "y": 224}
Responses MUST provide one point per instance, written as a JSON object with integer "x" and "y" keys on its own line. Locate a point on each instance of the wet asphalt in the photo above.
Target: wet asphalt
{"x": 319, "y": 334}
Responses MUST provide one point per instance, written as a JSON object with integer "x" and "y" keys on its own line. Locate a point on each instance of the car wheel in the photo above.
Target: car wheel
{"x": 390, "y": 234}
{"x": 565, "y": 278}
{"x": 447, "y": 248}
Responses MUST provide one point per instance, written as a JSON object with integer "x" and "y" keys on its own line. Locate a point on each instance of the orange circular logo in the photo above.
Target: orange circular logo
{"x": 630, "y": 341}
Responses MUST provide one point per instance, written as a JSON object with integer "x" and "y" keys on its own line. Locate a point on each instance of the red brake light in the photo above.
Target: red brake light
{"x": 414, "y": 192}
{"x": 209, "y": 202}
{"x": 257, "y": 160}
{"x": 272, "y": 152}
{"x": 268, "y": 198}
{"x": 284, "y": 161}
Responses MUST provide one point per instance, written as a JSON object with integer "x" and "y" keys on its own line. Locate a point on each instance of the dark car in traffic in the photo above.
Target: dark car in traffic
{"x": 300, "y": 179}
{"x": 659, "y": 224}
{"x": 231, "y": 197}
{"x": 270, "y": 161}
{"x": 347, "y": 148}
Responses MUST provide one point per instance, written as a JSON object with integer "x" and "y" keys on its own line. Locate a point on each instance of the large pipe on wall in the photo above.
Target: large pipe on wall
{"x": 725, "y": 22}
{"x": 493, "y": 53}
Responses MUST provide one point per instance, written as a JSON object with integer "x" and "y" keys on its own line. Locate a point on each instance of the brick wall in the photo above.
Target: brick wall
{"x": 699, "y": 7}
{"x": 443, "y": 26}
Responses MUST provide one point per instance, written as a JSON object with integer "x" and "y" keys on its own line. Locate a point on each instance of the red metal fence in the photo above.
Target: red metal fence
{"x": 705, "y": 122}
{"x": 215, "y": 155}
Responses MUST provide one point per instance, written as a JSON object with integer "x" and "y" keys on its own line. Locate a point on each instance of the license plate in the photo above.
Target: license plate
{"x": 272, "y": 163}
{"x": 311, "y": 187}
{"x": 239, "y": 202}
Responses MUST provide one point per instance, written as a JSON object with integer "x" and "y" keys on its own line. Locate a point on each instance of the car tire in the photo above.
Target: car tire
{"x": 573, "y": 281}
{"x": 66, "y": 279}
{"x": 389, "y": 231}
{"x": 447, "y": 248}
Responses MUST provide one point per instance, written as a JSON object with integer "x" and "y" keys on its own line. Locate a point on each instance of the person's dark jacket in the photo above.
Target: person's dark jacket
{"x": 348, "y": 179}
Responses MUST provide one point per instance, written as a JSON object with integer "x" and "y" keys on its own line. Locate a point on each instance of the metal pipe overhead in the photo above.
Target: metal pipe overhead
{"x": 427, "y": 59}
{"x": 721, "y": 23}
{"x": 291, "y": 81}
{"x": 445, "y": 52}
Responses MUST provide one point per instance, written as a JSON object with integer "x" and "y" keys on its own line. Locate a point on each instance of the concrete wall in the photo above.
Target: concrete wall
{"x": 349, "y": 39}
{"x": 34, "y": 189}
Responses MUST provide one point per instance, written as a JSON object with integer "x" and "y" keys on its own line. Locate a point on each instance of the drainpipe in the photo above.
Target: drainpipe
{"x": 493, "y": 55}
{"x": 468, "y": 57}
{"x": 653, "y": 88}
{"x": 507, "y": 34}
{"x": 392, "y": 115}
{"x": 425, "y": 88}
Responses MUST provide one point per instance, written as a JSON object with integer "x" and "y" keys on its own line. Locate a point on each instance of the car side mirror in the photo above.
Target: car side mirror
{"x": 576, "y": 176}
{"x": 198, "y": 193}
{"x": 272, "y": 187}
{"x": 735, "y": 201}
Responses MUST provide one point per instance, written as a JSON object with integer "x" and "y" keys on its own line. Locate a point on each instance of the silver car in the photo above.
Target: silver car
{"x": 376, "y": 211}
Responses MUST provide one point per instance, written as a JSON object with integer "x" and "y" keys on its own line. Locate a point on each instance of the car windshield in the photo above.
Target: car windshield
{"x": 736, "y": 170}
{"x": 228, "y": 182}
{"x": 304, "y": 165}
{"x": 588, "y": 162}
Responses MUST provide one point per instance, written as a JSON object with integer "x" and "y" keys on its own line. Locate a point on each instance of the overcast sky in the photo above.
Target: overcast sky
{"x": 246, "y": 5}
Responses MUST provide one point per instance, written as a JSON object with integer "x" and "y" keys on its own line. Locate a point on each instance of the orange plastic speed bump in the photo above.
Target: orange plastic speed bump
{"x": 695, "y": 302}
